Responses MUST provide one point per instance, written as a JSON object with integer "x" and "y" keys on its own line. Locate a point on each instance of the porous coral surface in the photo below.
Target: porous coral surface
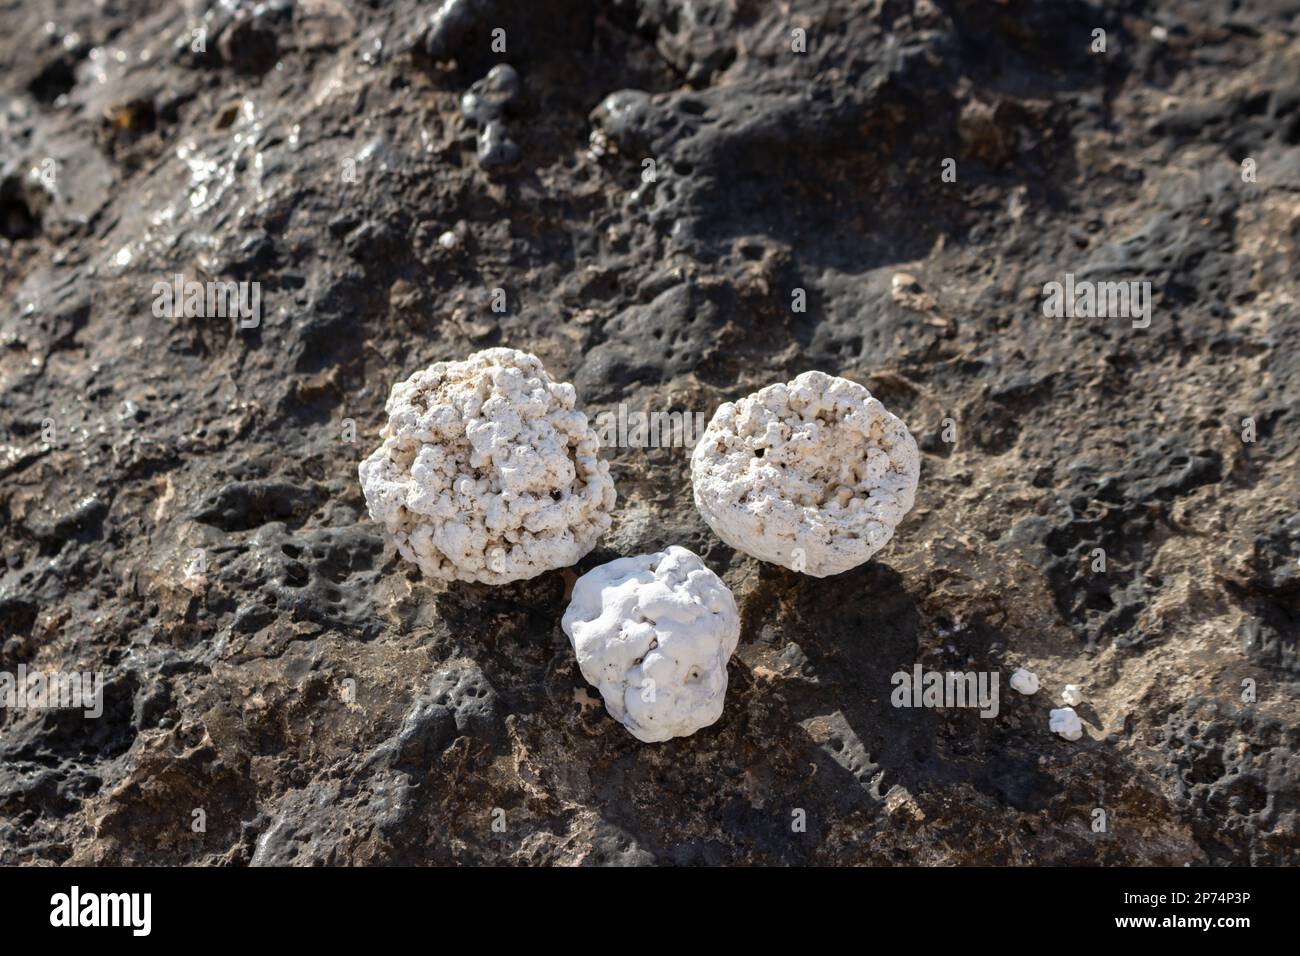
{"x": 813, "y": 475}
{"x": 487, "y": 472}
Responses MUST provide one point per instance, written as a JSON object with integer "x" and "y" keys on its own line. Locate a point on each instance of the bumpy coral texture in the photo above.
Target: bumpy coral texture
{"x": 487, "y": 472}
{"x": 812, "y": 475}
{"x": 654, "y": 633}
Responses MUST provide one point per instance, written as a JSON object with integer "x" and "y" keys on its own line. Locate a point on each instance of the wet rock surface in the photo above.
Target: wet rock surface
{"x": 642, "y": 193}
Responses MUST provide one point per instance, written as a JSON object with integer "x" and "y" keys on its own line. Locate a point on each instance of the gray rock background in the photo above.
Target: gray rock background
{"x": 321, "y": 704}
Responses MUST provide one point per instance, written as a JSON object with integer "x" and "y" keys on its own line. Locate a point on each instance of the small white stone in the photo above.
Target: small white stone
{"x": 1065, "y": 722}
{"x": 1026, "y": 682}
{"x": 1072, "y": 695}
{"x": 654, "y": 634}
{"x": 904, "y": 282}
{"x": 449, "y": 240}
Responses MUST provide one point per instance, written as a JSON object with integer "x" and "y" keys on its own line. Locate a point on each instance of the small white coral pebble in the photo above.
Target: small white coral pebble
{"x": 812, "y": 475}
{"x": 1026, "y": 682}
{"x": 654, "y": 633}
{"x": 1066, "y": 723}
{"x": 1072, "y": 695}
{"x": 487, "y": 472}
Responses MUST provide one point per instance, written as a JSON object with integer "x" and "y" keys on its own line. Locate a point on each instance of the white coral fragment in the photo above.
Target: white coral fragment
{"x": 654, "y": 633}
{"x": 1024, "y": 681}
{"x": 812, "y": 475}
{"x": 1065, "y": 723}
{"x": 1072, "y": 695}
{"x": 487, "y": 471}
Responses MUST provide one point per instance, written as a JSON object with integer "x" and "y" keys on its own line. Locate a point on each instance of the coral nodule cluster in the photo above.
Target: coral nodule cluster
{"x": 812, "y": 475}
{"x": 489, "y": 473}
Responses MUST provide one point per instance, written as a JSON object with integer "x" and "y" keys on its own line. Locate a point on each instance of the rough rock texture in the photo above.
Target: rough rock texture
{"x": 487, "y": 472}
{"x": 813, "y": 474}
{"x": 321, "y": 701}
{"x": 654, "y": 633}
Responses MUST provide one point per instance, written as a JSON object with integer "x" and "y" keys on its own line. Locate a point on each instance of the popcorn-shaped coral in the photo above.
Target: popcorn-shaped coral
{"x": 812, "y": 475}
{"x": 654, "y": 634}
{"x": 487, "y": 472}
